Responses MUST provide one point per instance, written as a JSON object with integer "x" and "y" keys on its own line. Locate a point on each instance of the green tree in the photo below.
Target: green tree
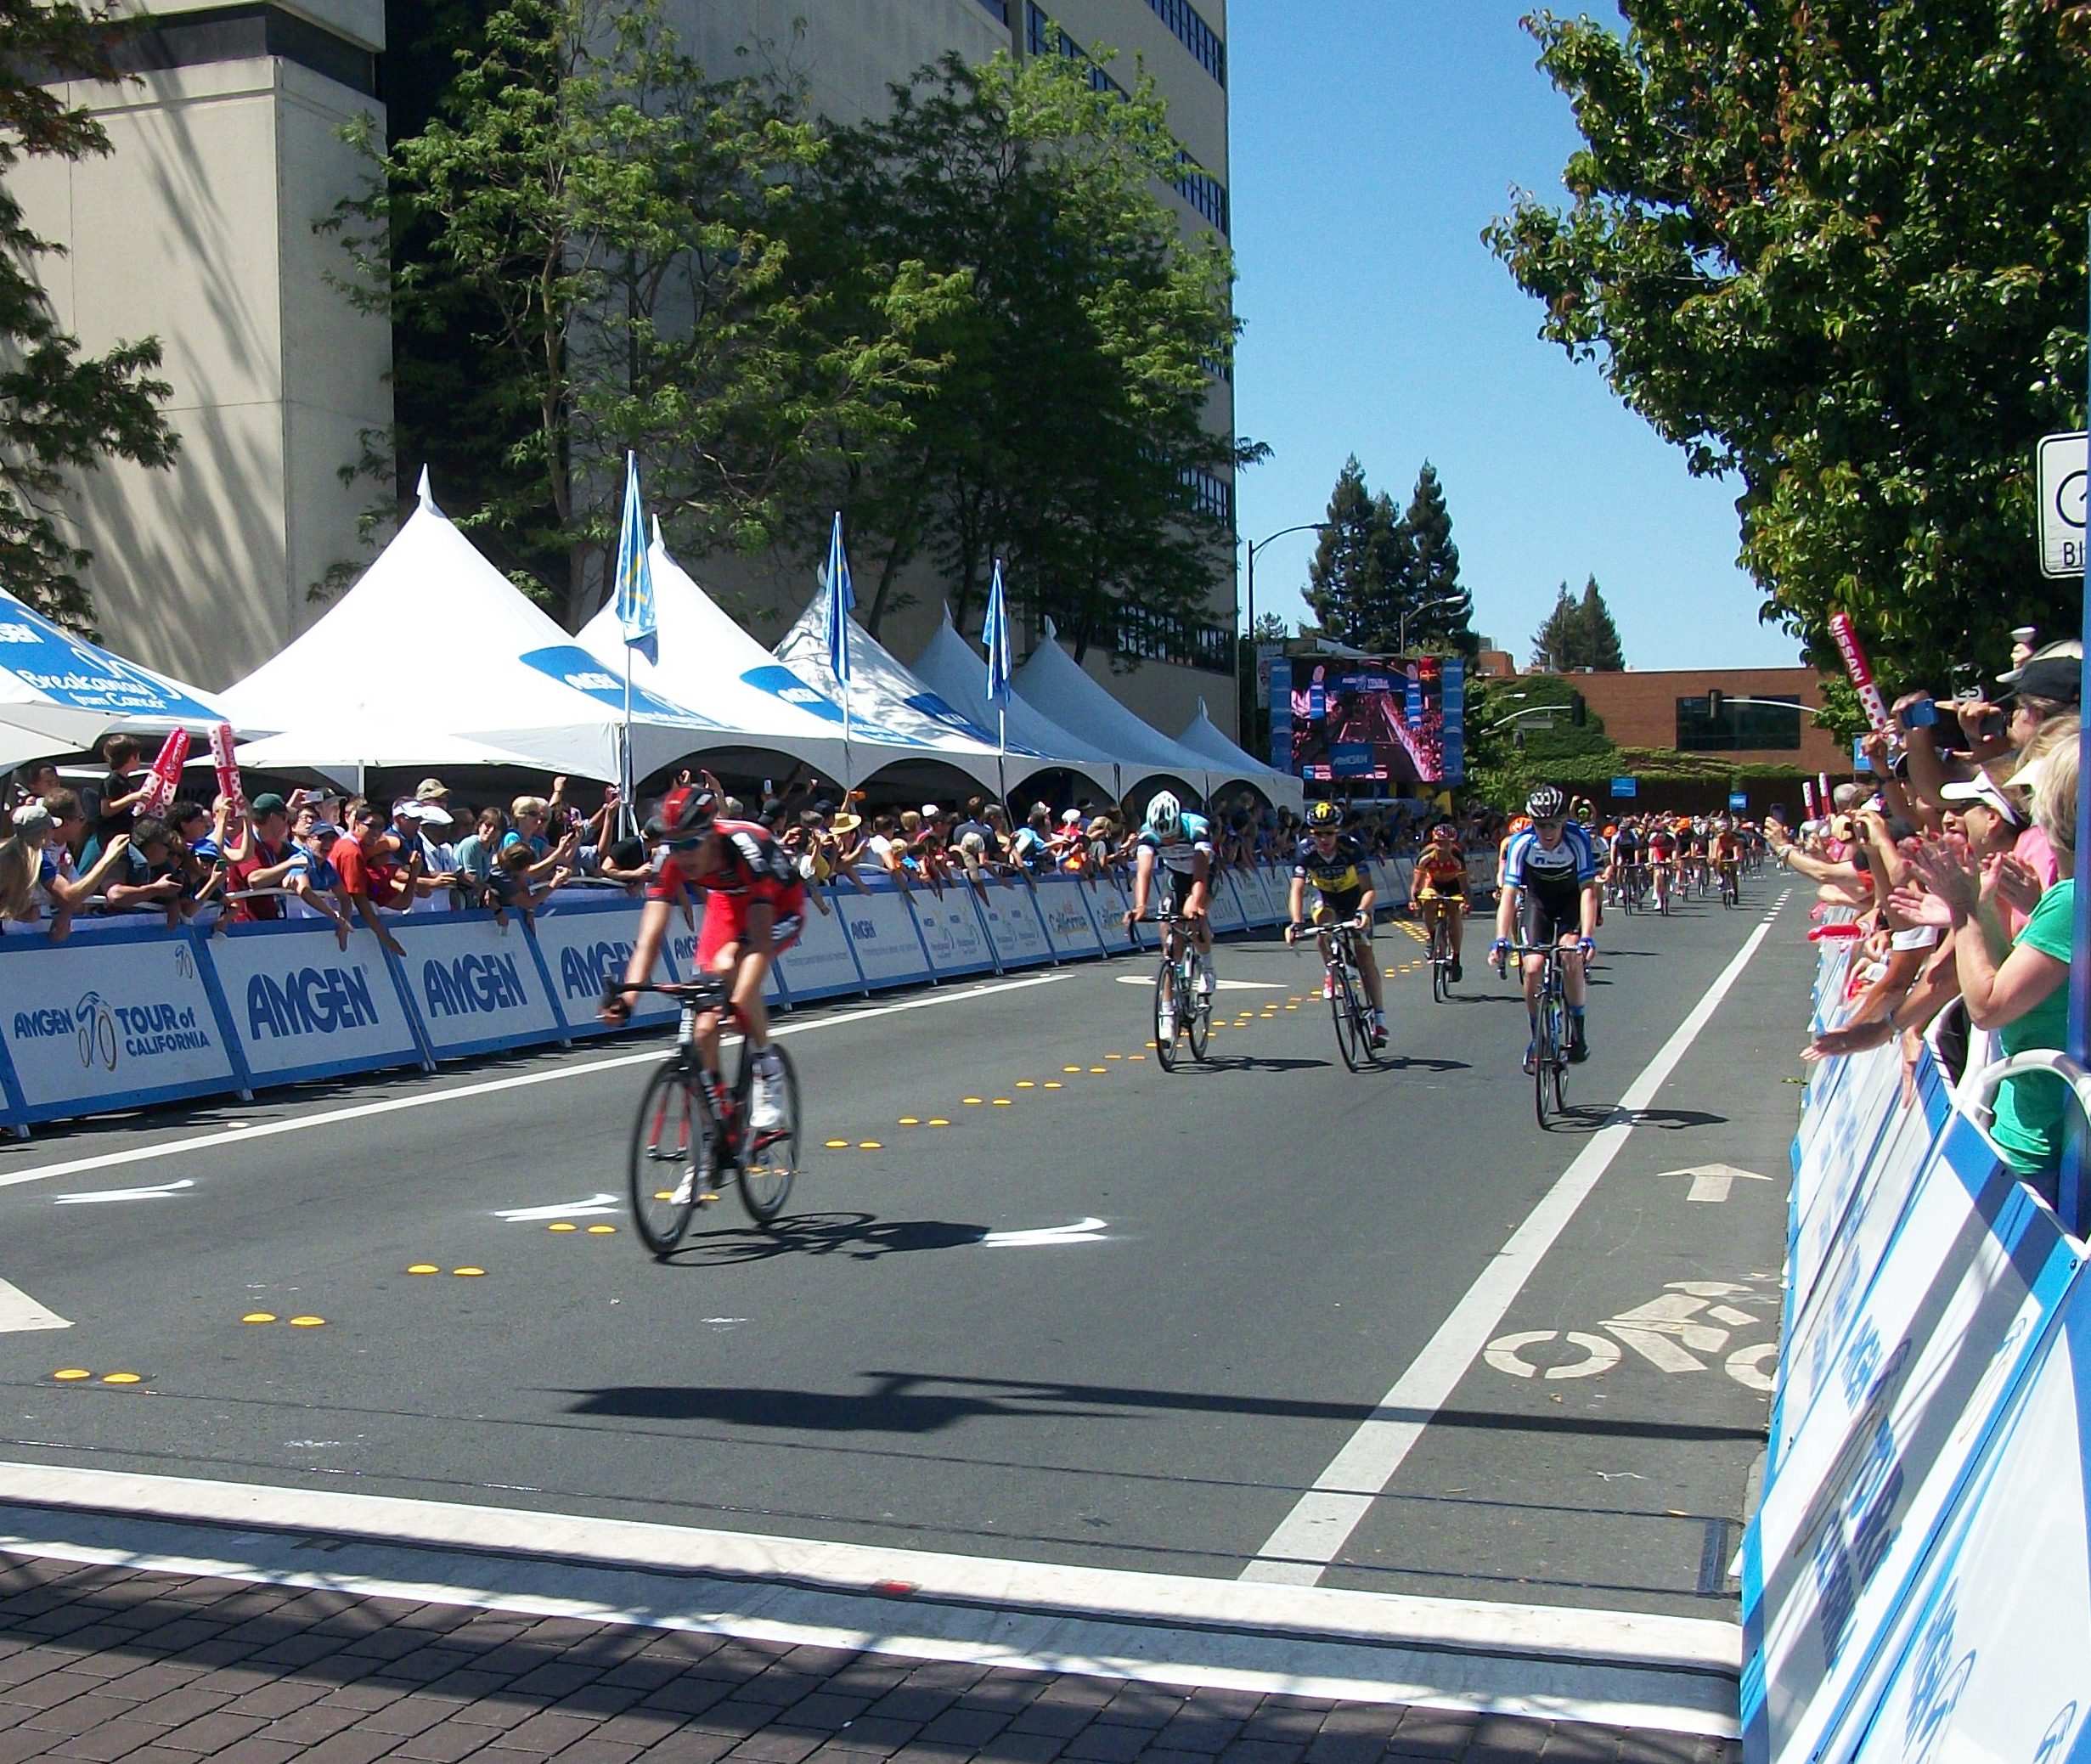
{"x": 1346, "y": 573}
{"x": 62, "y": 411}
{"x": 585, "y": 250}
{"x": 1558, "y": 645}
{"x": 1601, "y": 647}
{"x": 1435, "y": 576}
{"x": 1838, "y": 251}
{"x": 1066, "y": 433}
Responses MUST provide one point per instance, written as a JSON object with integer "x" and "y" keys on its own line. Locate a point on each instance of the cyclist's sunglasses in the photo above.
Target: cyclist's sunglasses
{"x": 1553, "y": 821}
{"x": 688, "y": 842}
{"x": 1328, "y": 832}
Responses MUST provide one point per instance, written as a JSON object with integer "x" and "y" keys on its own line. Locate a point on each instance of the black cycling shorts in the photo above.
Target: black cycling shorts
{"x": 1547, "y": 914}
{"x": 1181, "y": 883}
{"x": 1343, "y": 904}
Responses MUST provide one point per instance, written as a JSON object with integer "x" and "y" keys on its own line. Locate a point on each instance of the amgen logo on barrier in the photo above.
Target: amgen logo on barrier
{"x": 472, "y": 985}
{"x": 140, "y": 1030}
{"x": 312, "y": 1001}
{"x": 582, "y": 972}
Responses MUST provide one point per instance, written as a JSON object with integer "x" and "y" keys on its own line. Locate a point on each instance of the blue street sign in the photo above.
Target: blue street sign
{"x": 1625, "y": 786}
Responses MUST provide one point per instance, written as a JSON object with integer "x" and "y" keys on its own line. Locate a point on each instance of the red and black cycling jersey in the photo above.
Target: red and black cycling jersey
{"x": 754, "y": 866}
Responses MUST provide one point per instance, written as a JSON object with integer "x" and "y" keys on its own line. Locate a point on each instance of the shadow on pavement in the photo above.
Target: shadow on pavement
{"x": 862, "y": 1235}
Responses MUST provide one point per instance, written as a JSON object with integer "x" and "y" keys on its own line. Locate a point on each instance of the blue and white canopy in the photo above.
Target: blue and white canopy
{"x": 957, "y": 672}
{"x": 59, "y": 692}
{"x": 1201, "y": 734}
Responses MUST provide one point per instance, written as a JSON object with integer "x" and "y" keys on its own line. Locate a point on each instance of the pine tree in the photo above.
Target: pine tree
{"x": 1436, "y": 571}
{"x": 1602, "y": 649}
{"x": 1558, "y": 645}
{"x": 1344, "y": 578}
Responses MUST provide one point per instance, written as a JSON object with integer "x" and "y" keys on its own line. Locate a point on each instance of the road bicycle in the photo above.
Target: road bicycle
{"x": 1550, "y": 1030}
{"x": 691, "y": 1135}
{"x": 1348, "y": 1003}
{"x": 1441, "y": 951}
{"x": 1181, "y": 1015}
{"x": 1730, "y": 885}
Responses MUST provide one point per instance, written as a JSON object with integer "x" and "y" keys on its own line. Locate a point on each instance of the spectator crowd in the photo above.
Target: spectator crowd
{"x": 1959, "y": 864}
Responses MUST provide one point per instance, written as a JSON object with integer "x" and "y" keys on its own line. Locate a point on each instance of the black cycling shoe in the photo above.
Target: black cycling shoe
{"x": 1579, "y": 1047}
{"x": 1459, "y": 972}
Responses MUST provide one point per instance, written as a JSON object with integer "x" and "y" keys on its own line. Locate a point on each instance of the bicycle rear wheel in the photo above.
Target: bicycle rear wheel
{"x": 671, "y": 1146}
{"x": 766, "y": 1175}
{"x": 1166, "y": 1014}
{"x": 1562, "y": 1030}
{"x": 1441, "y": 960}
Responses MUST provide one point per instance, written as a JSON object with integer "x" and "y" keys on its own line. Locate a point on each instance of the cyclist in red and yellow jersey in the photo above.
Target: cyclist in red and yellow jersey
{"x": 1438, "y": 890}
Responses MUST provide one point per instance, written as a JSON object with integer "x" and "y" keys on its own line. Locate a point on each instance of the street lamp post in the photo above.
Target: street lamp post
{"x": 1246, "y": 694}
{"x": 1427, "y": 606}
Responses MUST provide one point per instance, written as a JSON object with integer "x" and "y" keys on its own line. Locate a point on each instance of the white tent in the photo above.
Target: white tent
{"x": 60, "y": 693}
{"x": 1054, "y": 683}
{"x": 433, "y": 658}
{"x": 1201, "y": 734}
{"x": 885, "y": 697}
{"x": 957, "y": 672}
{"x": 707, "y": 659}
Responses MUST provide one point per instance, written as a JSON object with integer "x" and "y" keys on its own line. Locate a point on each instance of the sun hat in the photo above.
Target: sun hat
{"x": 1984, "y": 789}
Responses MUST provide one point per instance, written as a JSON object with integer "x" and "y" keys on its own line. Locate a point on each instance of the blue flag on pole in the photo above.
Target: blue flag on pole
{"x": 840, "y": 600}
{"x": 635, "y": 617}
{"x": 994, "y": 634}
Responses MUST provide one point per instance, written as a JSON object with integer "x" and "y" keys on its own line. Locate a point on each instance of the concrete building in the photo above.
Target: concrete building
{"x": 198, "y": 229}
{"x": 1672, "y": 709}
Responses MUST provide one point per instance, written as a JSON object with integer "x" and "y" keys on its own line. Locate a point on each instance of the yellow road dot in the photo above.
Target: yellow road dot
{"x": 1004, "y": 1102}
{"x": 307, "y": 1322}
{"x": 938, "y": 1121}
{"x": 425, "y": 1268}
{"x": 1140, "y": 1057}
{"x": 1054, "y": 1084}
{"x": 563, "y": 1225}
{"x": 121, "y": 1378}
{"x": 259, "y": 1316}
{"x": 837, "y": 1144}
{"x": 72, "y": 1373}
{"x": 601, "y": 1230}
{"x": 1146, "y": 1043}
{"x": 973, "y": 1099}
{"x": 909, "y": 1121}
{"x": 1027, "y": 1083}
{"x": 468, "y": 1271}
{"x": 1098, "y": 1069}
{"x": 1078, "y": 1068}
{"x": 664, "y": 1194}
{"x": 870, "y": 1145}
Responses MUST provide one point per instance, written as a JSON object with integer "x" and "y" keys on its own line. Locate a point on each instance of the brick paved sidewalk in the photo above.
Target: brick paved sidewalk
{"x": 100, "y": 1664}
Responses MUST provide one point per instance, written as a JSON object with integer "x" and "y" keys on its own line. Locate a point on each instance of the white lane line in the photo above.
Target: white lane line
{"x": 1621, "y": 1668}
{"x": 18, "y": 1311}
{"x": 1083, "y": 1231}
{"x": 249, "y": 1131}
{"x": 164, "y": 1191}
{"x": 1298, "y": 1553}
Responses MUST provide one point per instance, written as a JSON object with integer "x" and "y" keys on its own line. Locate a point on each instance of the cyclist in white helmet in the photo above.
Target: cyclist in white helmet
{"x": 1182, "y": 843}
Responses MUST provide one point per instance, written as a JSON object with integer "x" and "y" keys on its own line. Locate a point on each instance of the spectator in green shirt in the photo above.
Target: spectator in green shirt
{"x": 2019, "y": 988}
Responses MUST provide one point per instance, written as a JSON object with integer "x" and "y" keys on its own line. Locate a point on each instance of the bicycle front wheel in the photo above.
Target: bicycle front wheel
{"x": 765, "y": 1177}
{"x": 1168, "y": 1019}
{"x": 1343, "y": 1007}
{"x": 1200, "y": 1020}
{"x": 671, "y": 1144}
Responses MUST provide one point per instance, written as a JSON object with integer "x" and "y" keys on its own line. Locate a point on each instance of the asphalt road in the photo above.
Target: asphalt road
{"x": 1240, "y": 1261}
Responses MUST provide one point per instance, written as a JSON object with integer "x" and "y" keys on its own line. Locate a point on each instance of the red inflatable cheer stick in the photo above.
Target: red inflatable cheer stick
{"x": 227, "y": 767}
{"x": 1862, "y": 675}
{"x": 167, "y": 774}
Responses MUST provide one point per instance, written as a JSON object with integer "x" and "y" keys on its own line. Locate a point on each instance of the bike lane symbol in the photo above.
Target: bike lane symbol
{"x": 1689, "y": 1319}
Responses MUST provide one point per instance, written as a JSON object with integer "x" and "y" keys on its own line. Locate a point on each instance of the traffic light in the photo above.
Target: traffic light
{"x": 1714, "y": 704}
{"x": 1579, "y": 710}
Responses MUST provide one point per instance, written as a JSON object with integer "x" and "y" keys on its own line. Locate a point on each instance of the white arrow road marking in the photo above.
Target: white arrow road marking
{"x": 18, "y": 1311}
{"x": 1711, "y": 1182}
{"x": 160, "y": 1194}
{"x": 1088, "y": 1230}
{"x": 565, "y": 1210}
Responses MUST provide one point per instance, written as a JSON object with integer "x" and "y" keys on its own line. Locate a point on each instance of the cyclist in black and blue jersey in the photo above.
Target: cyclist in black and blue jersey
{"x": 1181, "y": 842}
{"x": 1550, "y": 895}
{"x": 1341, "y": 873}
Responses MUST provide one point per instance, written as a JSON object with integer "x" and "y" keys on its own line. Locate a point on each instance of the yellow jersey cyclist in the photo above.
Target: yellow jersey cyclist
{"x": 1550, "y": 895}
{"x": 1439, "y": 888}
{"x": 1343, "y": 885}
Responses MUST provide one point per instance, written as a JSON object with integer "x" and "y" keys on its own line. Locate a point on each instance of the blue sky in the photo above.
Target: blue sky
{"x": 1372, "y": 141}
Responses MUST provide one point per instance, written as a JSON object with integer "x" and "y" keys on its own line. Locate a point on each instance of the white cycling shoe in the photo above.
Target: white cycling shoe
{"x": 1205, "y": 983}
{"x": 766, "y": 1099}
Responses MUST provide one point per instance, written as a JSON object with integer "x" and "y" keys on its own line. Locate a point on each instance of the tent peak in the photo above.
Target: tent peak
{"x": 424, "y": 495}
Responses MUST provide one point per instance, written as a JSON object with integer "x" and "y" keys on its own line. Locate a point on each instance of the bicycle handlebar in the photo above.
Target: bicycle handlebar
{"x": 695, "y": 992}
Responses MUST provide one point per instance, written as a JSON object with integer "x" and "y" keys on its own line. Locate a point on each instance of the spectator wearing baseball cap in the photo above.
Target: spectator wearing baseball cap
{"x": 256, "y": 858}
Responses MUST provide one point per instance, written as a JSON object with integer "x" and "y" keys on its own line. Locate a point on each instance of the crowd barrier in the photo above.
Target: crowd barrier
{"x": 124, "y": 1013}
{"x": 1917, "y": 1578}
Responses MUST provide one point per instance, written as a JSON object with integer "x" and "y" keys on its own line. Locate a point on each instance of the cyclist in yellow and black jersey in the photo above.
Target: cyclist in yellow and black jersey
{"x": 1343, "y": 884}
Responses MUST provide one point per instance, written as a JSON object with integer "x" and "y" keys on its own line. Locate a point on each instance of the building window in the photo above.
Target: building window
{"x": 999, "y": 8}
{"x": 1213, "y": 494}
{"x": 1194, "y": 34}
{"x": 1200, "y": 187}
{"x": 1156, "y": 638}
{"x": 1773, "y": 725}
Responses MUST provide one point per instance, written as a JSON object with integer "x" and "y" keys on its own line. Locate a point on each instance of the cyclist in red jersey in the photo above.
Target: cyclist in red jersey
{"x": 754, "y": 908}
